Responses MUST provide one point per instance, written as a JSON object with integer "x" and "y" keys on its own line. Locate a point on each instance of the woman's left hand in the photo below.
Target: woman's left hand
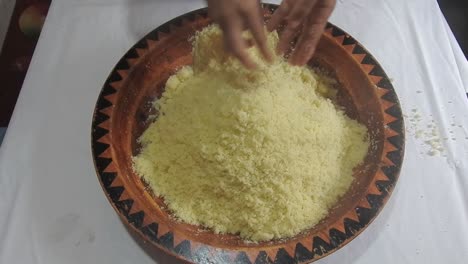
{"x": 305, "y": 17}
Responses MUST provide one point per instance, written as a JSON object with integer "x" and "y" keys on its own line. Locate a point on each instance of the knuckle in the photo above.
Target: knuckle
{"x": 293, "y": 23}
{"x": 314, "y": 28}
{"x": 299, "y": 13}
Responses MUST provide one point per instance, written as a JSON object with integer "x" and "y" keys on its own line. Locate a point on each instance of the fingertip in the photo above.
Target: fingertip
{"x": 267, "y": 54}
{"x": 250, "y": 65}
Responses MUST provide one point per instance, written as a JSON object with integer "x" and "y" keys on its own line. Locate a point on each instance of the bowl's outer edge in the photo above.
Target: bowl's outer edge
{"x": 319, "y": 246}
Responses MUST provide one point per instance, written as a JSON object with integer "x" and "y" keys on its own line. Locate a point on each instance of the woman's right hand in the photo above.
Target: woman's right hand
{"x": 234, "y": 16}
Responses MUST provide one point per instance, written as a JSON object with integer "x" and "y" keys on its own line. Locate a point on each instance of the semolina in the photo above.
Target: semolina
{"x": 259, "y": 153}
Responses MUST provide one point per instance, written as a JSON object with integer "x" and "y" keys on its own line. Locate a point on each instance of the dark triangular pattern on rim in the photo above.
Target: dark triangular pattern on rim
{"x": 351, "y": 227}
{"x": 167, "y": 241}
{"x": 396, "y": 125}
{"x": 151, "y": 231}
{"x": 283, "y": 257}
{"x": 165, "y": 29}
{"x": 375, "y": 200}
{"x": 365, "y": 214}
{"x": 132, "y": 53}
{"x": 136, "y": 219}
{"x": 337, "y": 32}
{"x": 142, "y": 44}
{"x": 99, "y": 132}
{"x": 329, "y": 25}
{"x": 368, "y": 59}
{"x": 98, "y": 119}
{"x": 336, "y": 237}
{"x": 177, "y": 23}
{"x": 385, "y": 83}
{"x": 359, "y": 50}
{"x": 101, "y": 163}
{"x": 115, "y": 193}
{"x": 349, "y": 40}
{"x": 124, "y": 206}
{"x": 102, "y": 103}
{"x": 113, "y": 77}
{"x": 384, "y": 186}
{"x": 184, "y": 250}
{"x": 191, "y": 16}
{"x": 123, "y": 64}
{"x": 302, "y": 254}
{"x": 390, "y": 172}
{"x": 202, "y": 12}
{"x": 108, "y": 89}
{"x": 99, "y": 148}
{"x": 320, "y": 247}
{"x": 242, "y": 258}
{"x": 395, "y": 111}
{"x": 107, "y": 178}
{"x": 153, "y": 35}
{"x": 391, "y": 97}
{"x": 262, "y": 258}
{"x": 377, "y": 71}
{"x": 394, "y": 156}
{"x": 396, "y": 141}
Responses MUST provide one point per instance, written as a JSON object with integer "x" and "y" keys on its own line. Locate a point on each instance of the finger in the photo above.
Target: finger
{"x": 255, "y": 23}
{"x": 301, "y": 9}
{"x": 234, "y": 42}
{"x": 214, "y": 10}
{"x": 286, "y": 37}
{"x": 294, "y": 20}
{"x": 279, "y": 15}
{"x": 306, "y": 45}
{"x": 313, "y": 29}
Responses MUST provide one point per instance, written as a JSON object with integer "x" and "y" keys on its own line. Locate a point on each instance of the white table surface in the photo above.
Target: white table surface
{"x": 52, "y": 208}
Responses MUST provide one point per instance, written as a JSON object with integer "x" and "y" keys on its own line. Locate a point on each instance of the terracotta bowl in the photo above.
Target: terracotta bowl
{"x": 123, "y": 107}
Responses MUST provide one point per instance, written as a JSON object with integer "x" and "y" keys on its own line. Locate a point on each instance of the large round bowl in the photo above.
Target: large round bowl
{"x": 120, "y": 117}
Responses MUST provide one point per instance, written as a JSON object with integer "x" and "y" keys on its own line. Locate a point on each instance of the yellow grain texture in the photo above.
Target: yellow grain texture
{"x": 261, "y": 153}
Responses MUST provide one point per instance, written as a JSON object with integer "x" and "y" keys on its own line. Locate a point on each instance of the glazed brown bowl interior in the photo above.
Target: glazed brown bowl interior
{"x": 146, "y": 81}
{"x": 149, "y": 67}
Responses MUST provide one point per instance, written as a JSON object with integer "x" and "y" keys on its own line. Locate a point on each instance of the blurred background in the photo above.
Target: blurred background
{"x": 21, "y": 23}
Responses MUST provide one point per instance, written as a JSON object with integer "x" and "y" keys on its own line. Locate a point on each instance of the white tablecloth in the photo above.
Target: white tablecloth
{"x": 52, "y": 208}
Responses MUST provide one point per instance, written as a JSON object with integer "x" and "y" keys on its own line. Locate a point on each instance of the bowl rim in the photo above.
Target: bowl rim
{"x": 394, "y": 137}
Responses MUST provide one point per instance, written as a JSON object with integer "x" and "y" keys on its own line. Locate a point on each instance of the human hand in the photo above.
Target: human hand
{"x": 233, "y": 16}
{"x": 305, "y": 17}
